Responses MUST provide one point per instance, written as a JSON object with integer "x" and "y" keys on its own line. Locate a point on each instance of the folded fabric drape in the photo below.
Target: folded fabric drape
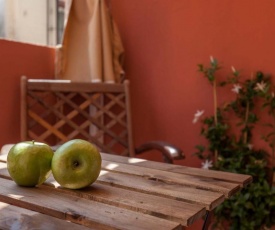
{"x": 91, "y": 49}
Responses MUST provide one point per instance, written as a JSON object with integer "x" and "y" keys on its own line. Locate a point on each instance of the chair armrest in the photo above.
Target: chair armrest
{"x": 169, "y": 152}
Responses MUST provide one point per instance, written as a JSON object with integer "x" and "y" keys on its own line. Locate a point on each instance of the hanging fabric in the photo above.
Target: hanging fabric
{"x": 91, "y": 49}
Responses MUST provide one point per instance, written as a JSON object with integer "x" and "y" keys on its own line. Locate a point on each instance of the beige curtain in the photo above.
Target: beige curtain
{"x": 91, "y": 49}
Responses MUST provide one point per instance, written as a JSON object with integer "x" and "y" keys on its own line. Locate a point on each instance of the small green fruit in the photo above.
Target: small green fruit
{"x": 29, "y": 163}
{"x": 76, "y": 164}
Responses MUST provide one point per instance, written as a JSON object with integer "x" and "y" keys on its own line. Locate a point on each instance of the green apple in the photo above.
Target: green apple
{"x": 29, "y": 163}
{"x": 76, "y": 164}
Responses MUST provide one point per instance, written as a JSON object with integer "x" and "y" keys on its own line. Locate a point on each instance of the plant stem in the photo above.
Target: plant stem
{"x": 215, "y": 114}
{"x": 215, "y": 101}
{"x": 245, "y": 122}
{"x": 246, "y": 116}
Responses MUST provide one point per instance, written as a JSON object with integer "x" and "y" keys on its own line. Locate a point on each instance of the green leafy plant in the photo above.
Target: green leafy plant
{"x": 229, "y": 135}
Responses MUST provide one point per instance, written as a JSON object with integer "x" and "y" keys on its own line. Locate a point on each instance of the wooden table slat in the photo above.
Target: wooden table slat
{"x": 227, "y": 188}
{"x": 187, "y": 193}
{"x": 13, "y": 217}
{"x": 193, "y": 195}
{"x": 173, "y": 191}
{"x": 184, "y": 213}
{"x": 241, "y": 179}
{"x": 78, "y": 210}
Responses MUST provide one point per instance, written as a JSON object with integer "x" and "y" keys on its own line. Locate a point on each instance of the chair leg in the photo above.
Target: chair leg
{"x": 207, "y": 220}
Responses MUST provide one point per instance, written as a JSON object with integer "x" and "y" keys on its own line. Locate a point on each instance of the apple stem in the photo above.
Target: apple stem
{"x": 76, "y": 163}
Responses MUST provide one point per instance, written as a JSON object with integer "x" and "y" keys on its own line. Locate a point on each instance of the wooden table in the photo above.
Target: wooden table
{"x": 130, "y": 193}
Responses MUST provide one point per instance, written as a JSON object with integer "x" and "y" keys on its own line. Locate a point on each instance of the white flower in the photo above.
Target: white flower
{"x": 249, "y": 146}
{"x": 236, "y": 88}
{"x": 197, "y": 115}
{"x": 212, "y": 60}
{"x": 207, "y": 164}
{"x": 260, "y": 86}
{"x": 233, "y": 69}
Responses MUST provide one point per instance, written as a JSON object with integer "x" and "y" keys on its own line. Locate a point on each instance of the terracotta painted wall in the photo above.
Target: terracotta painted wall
{"x": 17, "y": 59}
{"x": 165, "y": 40}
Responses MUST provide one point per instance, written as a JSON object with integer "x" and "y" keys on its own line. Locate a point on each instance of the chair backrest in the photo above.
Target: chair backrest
{"x": 55, "y": 111}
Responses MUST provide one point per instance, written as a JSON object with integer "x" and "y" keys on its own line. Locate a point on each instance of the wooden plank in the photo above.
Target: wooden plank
{"x": 161, "y": 207}
{"x": 228, "y": 189}
{"x": 184, "y": 193}
{"x": 78, "y": 210}
{"x": 129, "y": 118}
{"x": 12, "y": 217}
{"x": 46, "y": 125}
{"x": 169, "y": 209}
{"x": 23, "y": 109}
{"x": 241, "y": 179}
{"x": 68, "y": 86}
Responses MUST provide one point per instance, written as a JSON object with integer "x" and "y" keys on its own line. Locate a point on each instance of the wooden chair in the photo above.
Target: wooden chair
{"x": 55, "y": 111}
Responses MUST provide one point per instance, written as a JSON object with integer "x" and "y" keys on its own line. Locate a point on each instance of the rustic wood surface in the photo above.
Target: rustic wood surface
{"x": 130, "y": 193}
{"x": 13, "y": 217}
{"x": 78, "y": 210}
{"x": 240, "y": 179}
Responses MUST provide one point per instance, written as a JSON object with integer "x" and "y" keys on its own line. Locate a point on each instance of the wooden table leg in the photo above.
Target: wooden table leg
{"x": 207, "y": 220}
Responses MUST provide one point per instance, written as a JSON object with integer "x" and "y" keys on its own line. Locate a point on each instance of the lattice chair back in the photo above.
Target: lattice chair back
{"x": 55, "y": 111}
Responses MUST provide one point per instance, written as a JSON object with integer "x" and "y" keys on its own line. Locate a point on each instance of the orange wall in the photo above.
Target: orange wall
{"x": 17, "y": 59}
{"x": 165, "y": 40}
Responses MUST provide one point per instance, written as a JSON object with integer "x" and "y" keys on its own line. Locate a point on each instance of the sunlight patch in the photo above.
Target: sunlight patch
{"x": 135, "y": 160}
{"x": 111, "y": 166}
